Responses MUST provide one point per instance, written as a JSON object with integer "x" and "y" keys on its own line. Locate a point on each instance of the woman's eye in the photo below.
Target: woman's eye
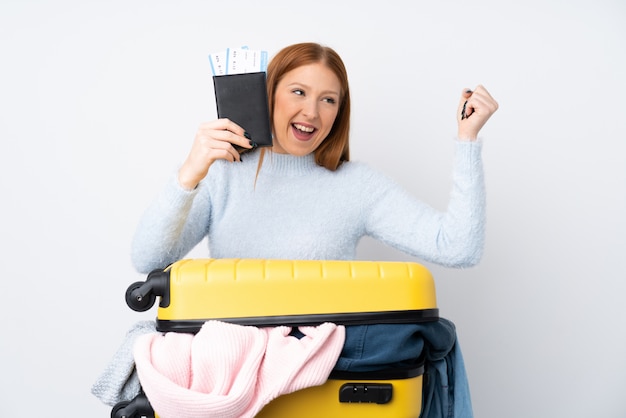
{"x": 330, "y": 100}
{"x": 298, "y": 92}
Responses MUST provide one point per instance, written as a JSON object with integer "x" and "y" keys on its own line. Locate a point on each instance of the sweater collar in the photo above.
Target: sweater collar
{"x": 287, "y": 164}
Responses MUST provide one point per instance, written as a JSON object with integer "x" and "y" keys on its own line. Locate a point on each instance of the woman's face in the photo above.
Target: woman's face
{"x": 306, "y": 103}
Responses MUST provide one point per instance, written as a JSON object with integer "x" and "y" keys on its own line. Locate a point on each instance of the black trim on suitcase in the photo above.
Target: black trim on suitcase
{"x": 396, "y": 373}
{"x": 353, "y": 318}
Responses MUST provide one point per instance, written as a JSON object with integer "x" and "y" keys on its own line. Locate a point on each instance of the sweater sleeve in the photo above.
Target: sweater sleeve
{"x": 453, "y": 238}
{"x": 171, "y": 226}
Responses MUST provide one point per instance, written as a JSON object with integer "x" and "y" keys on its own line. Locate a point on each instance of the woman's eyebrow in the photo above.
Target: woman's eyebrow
{"x": 306, "y": 86}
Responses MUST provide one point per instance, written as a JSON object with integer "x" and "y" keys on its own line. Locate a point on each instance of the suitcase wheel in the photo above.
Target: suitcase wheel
{"x": 118, "y": 410}
{"x": 136, "y": 408}
{"x": 138, "y": 298}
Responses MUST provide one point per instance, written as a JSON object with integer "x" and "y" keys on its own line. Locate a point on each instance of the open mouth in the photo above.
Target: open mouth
{"x": 302, "y": 132}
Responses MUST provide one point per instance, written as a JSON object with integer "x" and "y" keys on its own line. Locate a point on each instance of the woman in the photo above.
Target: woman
{"x": 304, "y": 199}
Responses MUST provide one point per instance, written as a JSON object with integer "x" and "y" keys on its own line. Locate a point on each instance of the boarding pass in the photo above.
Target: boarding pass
{"x": 238, "y": 61}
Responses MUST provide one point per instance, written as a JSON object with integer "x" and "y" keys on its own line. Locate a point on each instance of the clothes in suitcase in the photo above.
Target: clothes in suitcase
{"x": 266, "y": 293}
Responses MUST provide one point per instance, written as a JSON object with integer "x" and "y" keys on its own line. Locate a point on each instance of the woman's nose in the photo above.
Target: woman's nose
{"x": 310, "y": 109}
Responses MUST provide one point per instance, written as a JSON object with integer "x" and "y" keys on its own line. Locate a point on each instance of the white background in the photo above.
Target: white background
{"x": 99, "y": 102}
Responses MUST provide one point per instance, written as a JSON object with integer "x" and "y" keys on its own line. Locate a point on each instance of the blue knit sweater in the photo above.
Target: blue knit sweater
{"x": 299, "y": 210}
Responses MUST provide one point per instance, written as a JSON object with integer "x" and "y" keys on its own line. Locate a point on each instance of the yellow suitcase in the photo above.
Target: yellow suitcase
{"x": 294, "y": 293}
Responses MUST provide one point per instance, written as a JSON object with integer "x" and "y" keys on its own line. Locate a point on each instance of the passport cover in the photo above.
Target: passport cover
{"x": 242, "y": 98}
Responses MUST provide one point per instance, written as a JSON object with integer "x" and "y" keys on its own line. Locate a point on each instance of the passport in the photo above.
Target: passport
{"x": 242, "y": 98}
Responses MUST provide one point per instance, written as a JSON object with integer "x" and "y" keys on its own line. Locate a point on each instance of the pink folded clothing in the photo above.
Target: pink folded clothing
{"x": 228, "y": 370}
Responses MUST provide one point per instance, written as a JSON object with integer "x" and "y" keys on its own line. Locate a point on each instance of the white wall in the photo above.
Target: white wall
{"x": 99, "y": 101}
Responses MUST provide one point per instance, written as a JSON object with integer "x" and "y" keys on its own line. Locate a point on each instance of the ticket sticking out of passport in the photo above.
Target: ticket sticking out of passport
{"x": 240, "y": 86}
{"x": 238, "y": 61}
